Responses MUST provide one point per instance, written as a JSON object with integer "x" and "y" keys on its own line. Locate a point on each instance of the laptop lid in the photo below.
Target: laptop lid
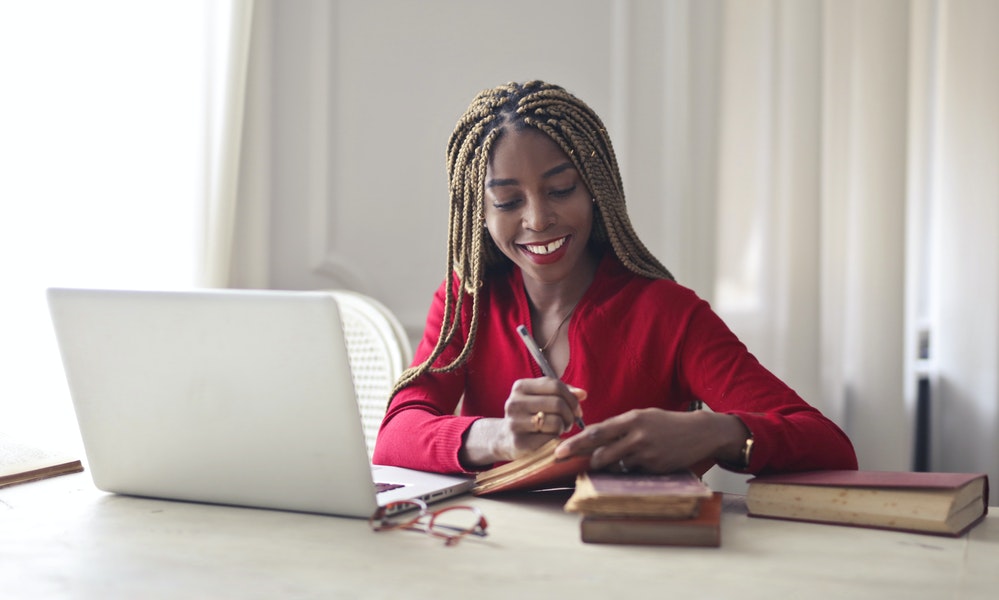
{"x": 237, "y": 397}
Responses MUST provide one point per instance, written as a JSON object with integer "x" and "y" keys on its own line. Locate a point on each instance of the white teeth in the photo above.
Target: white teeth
{"x": 546, "y": 248}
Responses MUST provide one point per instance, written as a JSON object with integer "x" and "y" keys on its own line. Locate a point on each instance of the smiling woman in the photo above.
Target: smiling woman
{"x": 540, "y": 215}
{"x": 540, "y": 240}
{"x": 102, "y": 150}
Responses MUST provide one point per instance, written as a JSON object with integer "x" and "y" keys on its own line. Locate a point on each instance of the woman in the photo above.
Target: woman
{"x": 539, "y": 236}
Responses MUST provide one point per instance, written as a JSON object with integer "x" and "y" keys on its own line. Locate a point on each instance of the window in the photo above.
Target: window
{"x": 102, "y": 121}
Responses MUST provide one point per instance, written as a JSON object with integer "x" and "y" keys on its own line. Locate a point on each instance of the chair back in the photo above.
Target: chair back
{"x": 378, "y": 350}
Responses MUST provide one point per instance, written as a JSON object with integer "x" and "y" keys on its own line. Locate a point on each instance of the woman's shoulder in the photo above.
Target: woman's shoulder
{"x": 618, "y": 283}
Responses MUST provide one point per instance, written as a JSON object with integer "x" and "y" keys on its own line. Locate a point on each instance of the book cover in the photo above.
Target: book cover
{"x": 21, "y": 462}
{"x": 537, "y": 470}
{"x": 674, "y": 495}
{"x": 701, "y": 530}
{"x": 937, "y": 503}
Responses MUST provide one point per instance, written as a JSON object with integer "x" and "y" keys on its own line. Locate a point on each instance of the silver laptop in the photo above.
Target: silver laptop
{"x": 229, "y": 397}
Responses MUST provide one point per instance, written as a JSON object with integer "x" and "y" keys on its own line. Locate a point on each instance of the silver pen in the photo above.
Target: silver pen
{"x": 539, "y": 358}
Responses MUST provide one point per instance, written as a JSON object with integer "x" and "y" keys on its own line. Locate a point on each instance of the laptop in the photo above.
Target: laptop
{"x": 239, "y": 397}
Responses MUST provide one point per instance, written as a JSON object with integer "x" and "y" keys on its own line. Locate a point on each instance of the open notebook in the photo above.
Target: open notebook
{"x": 224, "y": 396}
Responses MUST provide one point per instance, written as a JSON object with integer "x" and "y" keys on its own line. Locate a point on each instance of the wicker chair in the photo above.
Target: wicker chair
{"x": 378, "y": 350}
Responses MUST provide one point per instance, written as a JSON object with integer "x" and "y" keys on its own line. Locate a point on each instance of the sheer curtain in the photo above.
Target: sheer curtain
{"x": 955, "y": 274}
{"x": 810, "y": 206}
{"x": 228, "y": 60}
{"x": 856, "y": 177}
{"x": 110, "y": 149}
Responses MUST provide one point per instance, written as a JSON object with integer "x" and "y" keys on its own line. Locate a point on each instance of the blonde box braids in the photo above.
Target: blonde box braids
{"x": 471, "y": 254}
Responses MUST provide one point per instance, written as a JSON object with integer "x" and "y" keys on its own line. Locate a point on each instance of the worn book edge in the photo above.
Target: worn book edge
{"x": 21, "y": 462}
{"x": 702, "y": 530}
{"x": 673, "y": 495}
{"x": 933, "y": 503}
{"x": 536, "y": 470}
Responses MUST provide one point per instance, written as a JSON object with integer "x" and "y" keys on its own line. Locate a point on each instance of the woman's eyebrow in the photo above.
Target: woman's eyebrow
{"x": 558, "y": 169}
{"x": 549, "y": 173}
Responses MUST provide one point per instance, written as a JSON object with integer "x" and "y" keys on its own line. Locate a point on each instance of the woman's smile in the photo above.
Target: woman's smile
{"x": 546, "y": 252}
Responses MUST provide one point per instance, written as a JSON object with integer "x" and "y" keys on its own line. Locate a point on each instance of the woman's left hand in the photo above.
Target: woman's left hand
{"x": 658, "y": 441}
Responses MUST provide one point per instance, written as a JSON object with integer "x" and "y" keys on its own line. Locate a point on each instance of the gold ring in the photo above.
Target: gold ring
{"x": 538, "y": 420}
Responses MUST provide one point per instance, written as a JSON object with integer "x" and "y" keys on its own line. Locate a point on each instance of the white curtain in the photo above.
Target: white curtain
{"x": 230, "y": 34}
{"x": 956, "y": 174}
{"x": 857, "y": 184}
{"x": 102, "y": 173}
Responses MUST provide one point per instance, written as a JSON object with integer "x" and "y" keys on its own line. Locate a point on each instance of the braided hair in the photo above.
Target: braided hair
{"x": 472, "y": 255}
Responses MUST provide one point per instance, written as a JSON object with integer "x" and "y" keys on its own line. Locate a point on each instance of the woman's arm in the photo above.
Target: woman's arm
{"x": 746, "y": 401}
{"x": 420, "y": 429}
{"x": 788, "y": 433}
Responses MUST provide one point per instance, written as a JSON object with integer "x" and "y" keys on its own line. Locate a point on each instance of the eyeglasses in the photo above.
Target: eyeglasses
{"x": 451, "y": 523}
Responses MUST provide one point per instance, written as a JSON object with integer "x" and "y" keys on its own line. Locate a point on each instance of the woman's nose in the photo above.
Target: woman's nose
{"x": 537, "y": 215}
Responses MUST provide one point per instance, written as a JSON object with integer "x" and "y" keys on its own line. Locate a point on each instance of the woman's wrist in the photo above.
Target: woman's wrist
{"x": 732, "y": 435}
{"x": 478, "y": 446}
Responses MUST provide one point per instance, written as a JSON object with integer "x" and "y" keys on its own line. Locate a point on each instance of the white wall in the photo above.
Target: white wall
{"x": 355, "y": 100}
{"x": 360, "y": 188}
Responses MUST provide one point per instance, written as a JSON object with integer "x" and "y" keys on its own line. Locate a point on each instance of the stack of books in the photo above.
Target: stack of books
{"x": 675, "y": 509}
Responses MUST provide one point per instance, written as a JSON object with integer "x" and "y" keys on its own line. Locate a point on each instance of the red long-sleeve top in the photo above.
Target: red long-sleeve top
{"x": 634, "y": 343}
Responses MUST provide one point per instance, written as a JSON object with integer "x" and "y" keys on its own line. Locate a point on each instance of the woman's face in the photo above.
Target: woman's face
{"x": 537, "y": 209}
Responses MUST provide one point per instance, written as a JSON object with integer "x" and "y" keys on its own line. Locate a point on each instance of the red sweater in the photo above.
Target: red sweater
{"x": 634, "y": 343}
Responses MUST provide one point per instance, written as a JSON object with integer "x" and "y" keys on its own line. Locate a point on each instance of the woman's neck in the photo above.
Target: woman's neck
{"x": 559, "y": 297}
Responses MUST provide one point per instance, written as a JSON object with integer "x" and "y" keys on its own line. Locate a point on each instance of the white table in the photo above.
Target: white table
{"x": 62, "y": 538}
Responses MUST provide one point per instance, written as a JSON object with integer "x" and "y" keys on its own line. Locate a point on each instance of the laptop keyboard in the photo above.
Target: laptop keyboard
{"x": 384, "y": 487}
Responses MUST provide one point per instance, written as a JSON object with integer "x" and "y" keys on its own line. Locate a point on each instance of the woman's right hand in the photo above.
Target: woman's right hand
{"x": 536, "y": 411}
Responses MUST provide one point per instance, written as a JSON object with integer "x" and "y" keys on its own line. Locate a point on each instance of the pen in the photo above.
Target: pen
{"x": 539, "y": 358}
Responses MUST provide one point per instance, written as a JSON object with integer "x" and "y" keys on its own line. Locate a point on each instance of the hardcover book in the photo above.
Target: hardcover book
{"x": 20, "y": 462}
{"x": 936, "y": 503}
{"x": 537, "y": 470}
{"x": 701, "y": 530}
{"x": 672, "y": 495}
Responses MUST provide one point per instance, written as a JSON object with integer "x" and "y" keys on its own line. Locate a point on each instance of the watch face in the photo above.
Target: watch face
{"x": 747, "y": 452}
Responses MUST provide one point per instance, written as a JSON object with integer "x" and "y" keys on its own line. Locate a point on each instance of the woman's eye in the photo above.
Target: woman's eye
{"x": 564, "y": 192}
{"x": 506, "y": 205}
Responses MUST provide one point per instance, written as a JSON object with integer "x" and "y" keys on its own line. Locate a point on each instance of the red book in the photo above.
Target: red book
{"x": 936, "y": 503}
